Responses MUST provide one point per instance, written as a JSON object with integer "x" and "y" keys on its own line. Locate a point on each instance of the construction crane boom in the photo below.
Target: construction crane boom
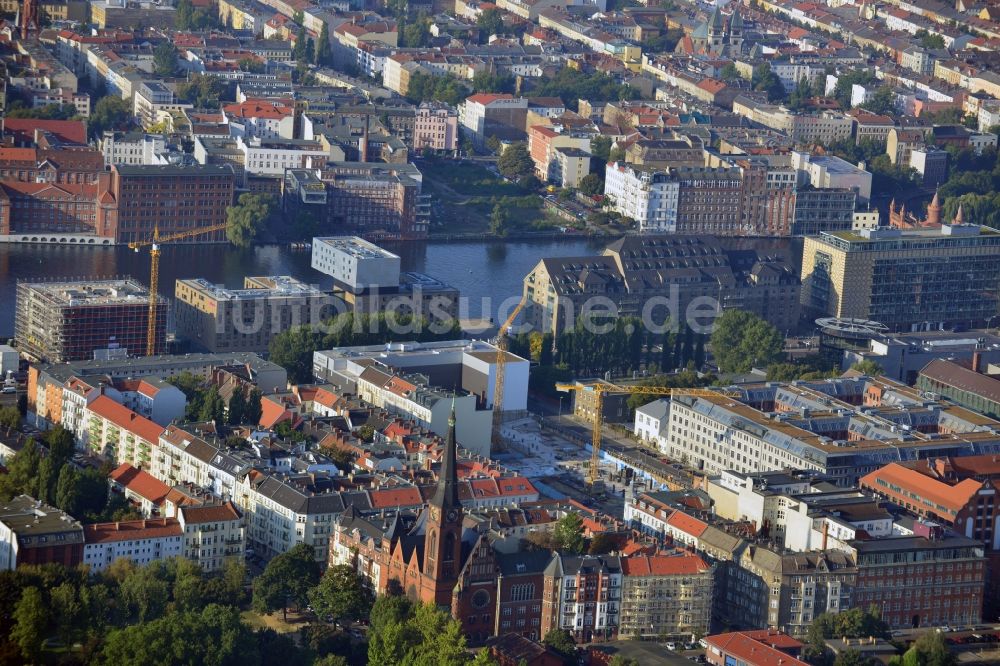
{"x": 154, "y": 271}
{"x": 496, "y": 440}
{"x": 600, "y": 389}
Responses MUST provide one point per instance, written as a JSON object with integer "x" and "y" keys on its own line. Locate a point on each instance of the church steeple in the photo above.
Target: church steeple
{"x": 443, "y": 529}
{"x": 446, "y": 495}
{"x": 934, "y": 211}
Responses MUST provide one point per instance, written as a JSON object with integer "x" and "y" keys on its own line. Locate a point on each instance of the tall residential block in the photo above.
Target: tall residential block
{"x": 69, "y": 321}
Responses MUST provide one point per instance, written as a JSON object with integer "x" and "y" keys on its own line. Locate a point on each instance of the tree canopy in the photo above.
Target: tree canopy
{"x": 341, "y": 594}
{"x": 287, "y": 578}
{"x": 515, "y": 161}
{"x": 742, "y": 340}
{"x": 246, "y": 219}
{"x": 572, "y": 85}
{"x": 165, "y": 59}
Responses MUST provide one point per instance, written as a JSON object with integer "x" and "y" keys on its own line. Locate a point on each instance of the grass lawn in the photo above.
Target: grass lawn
{"x": 295, "y": 621}
{"x": 468, "y": 179}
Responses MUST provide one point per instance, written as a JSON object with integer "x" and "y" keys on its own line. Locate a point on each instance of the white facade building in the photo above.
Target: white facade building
{"x": 648, "y": 197}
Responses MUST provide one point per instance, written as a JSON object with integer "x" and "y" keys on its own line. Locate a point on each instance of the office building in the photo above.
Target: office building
{"x": 216, "y": 319}
{"x": 32, "y": 532}
{"x": 369, "y": 280}
{"x": 69, "y": 321}
{"x": 172, "y": 199}
{"x": 903, "y": 278}
{"x": 819, "y": 210}
{"x": 693, "y": 273}
{"x": 908, "y": 357}
{"x": 931, "y": 163}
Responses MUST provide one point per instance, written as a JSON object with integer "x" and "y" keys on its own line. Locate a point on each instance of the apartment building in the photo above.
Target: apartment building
{"x": 116, "y": 433}
{"x": 69, "y": 321}
{"x": 647, "y": 195}
{"x": 171, "y": 199}
{"x": 261, "y": 119}
{"x": 484, "y": 115}
{"x": 376, "y": 200}
{"x": 32, "y": 532}
{"x": 216, "y": 319}
{"x": 141, "y": 541}
{"x": 925, "y": 580}
{"x": 583, "y": 595}
{"x": 183, "y": 457}
{"x": 665, "y": 595}
{"x": 634, "y": 271}
{"x": 135, "y": 149}
{"x": 544, "y": 140}
{"x": 213, "y": 534}
{"x": 435, "y": 127}
{"x": 902, "y": 278}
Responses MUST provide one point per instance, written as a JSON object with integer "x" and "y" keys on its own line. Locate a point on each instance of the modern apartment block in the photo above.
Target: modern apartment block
{"x": 216, "y": 319}
{"x": 69, "y": 321}
{"x": 375, "y": 200}
{"x": 690, "y": 272}
{"x": 172, "y": 199}
{"x": 903, "y": 278}
{"x": 369, "y": 280}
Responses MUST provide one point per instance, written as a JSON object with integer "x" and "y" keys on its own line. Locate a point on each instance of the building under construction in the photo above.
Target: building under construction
{"x": 69, "y": 321}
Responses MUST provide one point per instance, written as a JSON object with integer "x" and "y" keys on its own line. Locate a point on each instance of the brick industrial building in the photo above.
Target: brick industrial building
{"x": 68, "y": 321}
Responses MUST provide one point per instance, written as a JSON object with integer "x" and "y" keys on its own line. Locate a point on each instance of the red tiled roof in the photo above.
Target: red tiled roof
{"x": 256, "y": 109}
{"x": 213, "y": 513}
{"x": 664, "y": 565}
{"x": 394, "y": 497}
{"x": 70, "y": 131}
{"x": 124, "y": 417}
{"x": 744, "y": 647}
{"x": 131, "y": 530}
{"x": 141, "y": 483}
{"x": 686, "y": 523}
{"x": 934, "y": 492}
{"x": 488, "y": 98}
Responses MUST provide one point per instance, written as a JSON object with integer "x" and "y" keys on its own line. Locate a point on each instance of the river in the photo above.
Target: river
{"x": 481, "y": 270}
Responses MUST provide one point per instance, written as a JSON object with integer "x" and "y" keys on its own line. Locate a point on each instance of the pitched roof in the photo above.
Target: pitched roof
{"x": 488, "y": 98}
{"x": 210, "y": 513}
{"x": 70, "y": 131}
{"x": 124, "y": 417}
{"x": 965, "y": 379}
{"x": 912, "y": 484}
{"x": 753, "y": 648}
{"x": 131, "y": 530}
{"x": 140, "y": 482}
{"x": 664, "y": 565}
{"x": 686, "y": 523}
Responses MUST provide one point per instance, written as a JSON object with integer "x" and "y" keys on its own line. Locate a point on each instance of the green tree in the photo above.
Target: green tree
{"x": 569, "y": 533}
{"x": 287, "y": 577}
{"x": 600, "y": 148}
{"x": 144, "y": 594}
{"x": 109, "y": 113}
{"x": 499, "y": 220}
{"x": 561, "y": 641}
{"x": 245, "y": 220}
{"x": 882, "y": 102}
{"x": 69, "y": 618}
{"x": 929, "y": 649}
{"x": 293, "y": 350}
{"x": 490, "y": 22}
{"x": 929, "y": 41}
{"x": 492, "y": 82}
{"x": 601, "y": 544}
{"x": 213, "y": 408}
{"x": 203, "y": 91}
{"x": 254, "y": 408}
{"x": 852, "y": 623}
{"x": 516, "y": 162}
{"x": 165, "y": 59}
{"x": 868, "y": 367}
{"x": 323, "y": 52}
{"x": 729, "y": 72}
{"x": 18, "y": 109}
{"x": 854, "y": 658}
{"x": 342, "y": 594}
{"x": 572, "y": 85}
{"x": 592, "y": 184}
{"x": 619, "y": 660}
{"x": 300, "y": 51}
{"x": 845, "y": 82}
{"x": 417, "y": 34}
{"x": 214, "y": 636}
{"x": 22, "y": 472}
{"x": 31, "y": 617}
{"x": 67, "y": 492}
{"x": 10, "y": 418}
{"x": 765, "y": 80}
{"x": 237, "y": 408}
{"x": 742, "y": 340}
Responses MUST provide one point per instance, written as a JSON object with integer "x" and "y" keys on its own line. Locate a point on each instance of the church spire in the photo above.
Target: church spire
{"x": 934, "y": 211}
{"x": 446, "y": 494}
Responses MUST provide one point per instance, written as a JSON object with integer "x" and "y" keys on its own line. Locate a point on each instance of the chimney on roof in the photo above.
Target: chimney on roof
{"x": 977, "y": 360}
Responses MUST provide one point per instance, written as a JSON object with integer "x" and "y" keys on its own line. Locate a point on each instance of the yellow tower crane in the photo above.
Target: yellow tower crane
{"x": 503, "y": 341}
{"x": 601, "y": 388}
{"x": 154, "y": 271}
